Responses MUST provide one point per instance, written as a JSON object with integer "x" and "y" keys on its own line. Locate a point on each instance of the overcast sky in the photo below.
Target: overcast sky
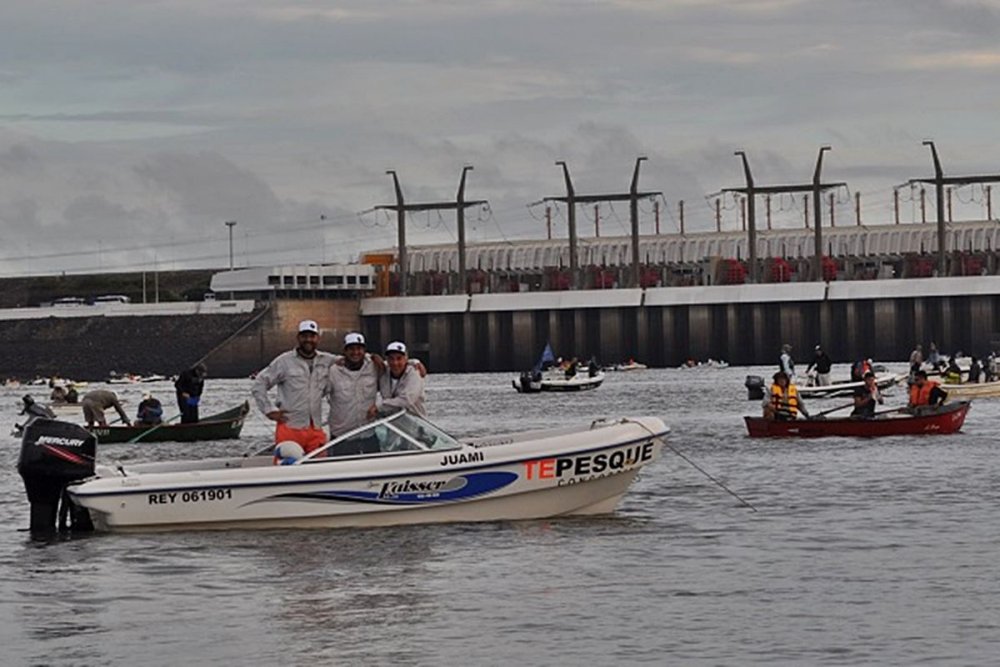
{"x": 131, "y": 131}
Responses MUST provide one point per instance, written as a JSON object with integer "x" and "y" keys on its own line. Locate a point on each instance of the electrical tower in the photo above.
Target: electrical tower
{"x": 401, "y": 208}
{"x": 572, "y": 199}
{"x": 939, "y": 182}
{"x": 751, "y": 191}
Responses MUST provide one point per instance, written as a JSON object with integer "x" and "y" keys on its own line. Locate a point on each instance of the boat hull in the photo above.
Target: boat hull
{"x": 580, "y": 382}
{"x": 577, "y": 383}
{"x": 571, "y": 473}
{"x": 948, "y": 419}
{"x": 224, "y": 426}
{"x": 845, "y": 388}
{"x": 973, "y": 390}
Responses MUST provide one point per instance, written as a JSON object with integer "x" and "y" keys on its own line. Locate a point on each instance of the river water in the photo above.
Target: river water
{"x": 860, "y": 552}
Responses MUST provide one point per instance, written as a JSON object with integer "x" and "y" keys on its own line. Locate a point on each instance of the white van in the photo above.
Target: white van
{"x": 69, "y": 302}
{"x": 111, "y": 298}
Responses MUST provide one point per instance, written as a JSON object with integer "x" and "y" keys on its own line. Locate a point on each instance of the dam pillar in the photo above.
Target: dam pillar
{"x": 699, "y": 332}
{"x": 884, "y": 322}
{"x": 611, "y": 336}
{"x": 526, "y": 350}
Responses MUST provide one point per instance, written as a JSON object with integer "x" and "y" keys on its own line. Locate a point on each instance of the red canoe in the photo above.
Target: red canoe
{"x": 946, "y": 419}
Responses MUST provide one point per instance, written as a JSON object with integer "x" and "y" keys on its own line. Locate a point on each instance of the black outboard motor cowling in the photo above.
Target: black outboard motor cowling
{"x": 755, "y": 387}
{"x": 53, "y": 454}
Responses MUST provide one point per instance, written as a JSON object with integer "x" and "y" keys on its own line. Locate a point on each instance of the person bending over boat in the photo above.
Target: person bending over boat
{"x": 189, "y": 385}
{"x": 95, "y": 402}
{"x": 866, "y": 397}
{"x": 150, "y": 411}
{"x": 925, "y": 393}
{"x": 300, "y": 376}
{"x": 401, "y": 386}
{"x": 784, "y": 402}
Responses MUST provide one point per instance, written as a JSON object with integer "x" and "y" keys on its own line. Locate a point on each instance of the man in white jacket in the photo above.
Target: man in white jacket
{"x": 300, "y": 376}
{"x": 401, "y": 386}
{"x": 353, "y": 384}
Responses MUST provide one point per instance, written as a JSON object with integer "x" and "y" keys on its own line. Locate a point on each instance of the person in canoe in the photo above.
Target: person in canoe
{"x": 822, "y": 363}
{"x": 859, "y": 369}
{"x": 189, "y": 386}
{"x": 150, "y": 411}
{"x": 95, "y": 402}
{"x": 867, "y": 397}
{"x": 784, "y": 403}
{"x": 925, "y": 393}
{"x": 786, "y": 364}
{"x": 916, "y": 361}
{"x": 934, "y": 357}
{"x": 953, "y": 372}
{"x": 975, "y": 370}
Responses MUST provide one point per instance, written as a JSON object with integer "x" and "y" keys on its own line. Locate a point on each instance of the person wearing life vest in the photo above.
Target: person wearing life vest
{"x": 859, "y": 369}
{"x": 925, "y": 393}
{"x": 784, "y": 403}
{"x": 953, "y": 372}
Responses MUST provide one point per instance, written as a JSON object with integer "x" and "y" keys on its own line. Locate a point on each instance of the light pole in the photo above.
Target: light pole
{"x": 230, "y": 224}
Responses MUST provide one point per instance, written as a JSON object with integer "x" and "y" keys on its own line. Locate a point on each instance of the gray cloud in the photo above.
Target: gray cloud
{"x": 151, "y": 124}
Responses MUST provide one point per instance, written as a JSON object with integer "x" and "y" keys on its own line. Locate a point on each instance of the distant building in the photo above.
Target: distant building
{"x": 298, "y": 281}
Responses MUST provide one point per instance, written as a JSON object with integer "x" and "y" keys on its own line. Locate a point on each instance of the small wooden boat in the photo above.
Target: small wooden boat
{"x": 973, "y": 389}
{"x": 927, "y": 421}
{"x": 222, "y": 426}
{"x": 883, "y": 380}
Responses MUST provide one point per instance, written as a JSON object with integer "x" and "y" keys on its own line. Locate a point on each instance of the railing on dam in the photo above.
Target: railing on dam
{"x": 709, "y": 258}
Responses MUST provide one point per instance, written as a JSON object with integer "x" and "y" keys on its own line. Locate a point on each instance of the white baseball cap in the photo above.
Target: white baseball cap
{"x": 395, "y": 346}
{"x": 308, "y": 326}
{"x": 354, "y": 338}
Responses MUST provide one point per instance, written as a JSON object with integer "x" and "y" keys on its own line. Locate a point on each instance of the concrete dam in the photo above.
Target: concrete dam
{"x": 661, "y": 326}
{"x": 742, "y": 324}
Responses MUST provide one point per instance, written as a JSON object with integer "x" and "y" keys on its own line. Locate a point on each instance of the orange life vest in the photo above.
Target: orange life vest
{"x": 922, "y": 395}
{"x": 786, "y": 403}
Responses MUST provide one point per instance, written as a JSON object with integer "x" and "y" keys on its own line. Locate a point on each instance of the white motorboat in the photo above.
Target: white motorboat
{"x": 397, "y": 470}
{"x": 629, "y": 366}
{"x": 556, "y": 380}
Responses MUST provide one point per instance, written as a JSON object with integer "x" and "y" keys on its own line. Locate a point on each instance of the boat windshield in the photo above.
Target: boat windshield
{"x": 401, "y": 432}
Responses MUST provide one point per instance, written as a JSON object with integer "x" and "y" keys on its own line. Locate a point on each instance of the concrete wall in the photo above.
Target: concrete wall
{"x": 90, "y": 348}
{"x": 744, "y": 325}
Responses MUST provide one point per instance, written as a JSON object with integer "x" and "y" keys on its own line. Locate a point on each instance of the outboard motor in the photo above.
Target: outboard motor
{"x": 525, "y": 382}
{"x": 755, "y": 388}
{"x": 53, "y": 454}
